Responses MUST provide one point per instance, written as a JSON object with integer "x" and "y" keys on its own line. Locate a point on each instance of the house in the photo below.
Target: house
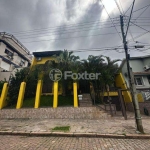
{"x": 141, "y": 71}
{"x": 13, "y": 54}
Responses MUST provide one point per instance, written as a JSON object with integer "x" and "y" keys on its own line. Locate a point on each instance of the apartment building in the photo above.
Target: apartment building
{"x": 13, "y": 54}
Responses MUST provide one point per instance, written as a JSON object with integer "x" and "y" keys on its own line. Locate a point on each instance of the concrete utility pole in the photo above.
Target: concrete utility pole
{"x": 138, "y": 119}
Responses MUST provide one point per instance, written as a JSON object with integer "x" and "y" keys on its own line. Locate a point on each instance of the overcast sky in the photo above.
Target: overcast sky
{"x": 46, "y": 25}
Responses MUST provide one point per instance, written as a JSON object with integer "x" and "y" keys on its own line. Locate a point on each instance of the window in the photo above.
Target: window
{"x": 138, "y": 80}
{"x": 148, "y": 79}
{"x": 22, "y": 62}
{"x": 9, "y": 53}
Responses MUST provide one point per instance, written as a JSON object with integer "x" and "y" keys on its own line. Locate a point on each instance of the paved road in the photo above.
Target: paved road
{"x": 67, "y": 143}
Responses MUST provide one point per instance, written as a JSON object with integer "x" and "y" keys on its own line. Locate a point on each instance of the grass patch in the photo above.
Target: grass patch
{"x": 61, "y": 128}
{"x": 47, "y": 101}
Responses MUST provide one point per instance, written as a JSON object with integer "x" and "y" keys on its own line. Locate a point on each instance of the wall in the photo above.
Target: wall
{"x": 17, "y": 57}
{"x": 137, "y": 65}
{"x": 146, "y": 61}
{"x": 129, "y": 106}
{"x": 4, "y": 75}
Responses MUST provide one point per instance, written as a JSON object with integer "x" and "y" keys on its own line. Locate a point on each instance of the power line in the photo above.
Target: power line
{"x": 69, "y": 37}
{"x": 65, "y": 31}
{"x": 141, "y": 8}
{"x": 130, "y": 18}
{"x": 141, "y": 13}
{"x": 56, "y": 27}
{"x": 138, "y": 36}
{"x": 141, "y": 51}
{"x": 85, "y": 49}
{"x": 140, "y": 27}
{"x": 127, "y": 9}
{"x": 110, "y": 18}
{"x": 58, "y": 33}
{"x": 121, "y": 6}
{"x": 118, "y": 6}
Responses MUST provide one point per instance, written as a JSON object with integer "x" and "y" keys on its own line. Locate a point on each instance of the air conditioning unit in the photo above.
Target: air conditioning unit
{"x": 146, "y": 67}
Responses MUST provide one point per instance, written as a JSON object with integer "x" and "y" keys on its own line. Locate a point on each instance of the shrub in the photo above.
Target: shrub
{"x": 15, "y": 81}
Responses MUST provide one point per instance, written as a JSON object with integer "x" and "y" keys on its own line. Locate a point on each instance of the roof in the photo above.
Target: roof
{"x": 141, "y": 73}
{"x": 46, "y": 53}
{"x": 140, "y": 57}
{"x": 133, "y": 58}
{"x": 10, "y": 36}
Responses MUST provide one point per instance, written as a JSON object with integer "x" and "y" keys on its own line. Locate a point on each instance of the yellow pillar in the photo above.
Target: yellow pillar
{"x": 21, "y": 95}
{"x": 75, "y": 94}
{"x": 55, "y": 98}
{"x": 38, "y": 93}
{"x": 3, "y": 95}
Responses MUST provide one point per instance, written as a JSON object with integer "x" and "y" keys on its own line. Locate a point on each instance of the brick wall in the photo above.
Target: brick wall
{"x": 129, "y": 106}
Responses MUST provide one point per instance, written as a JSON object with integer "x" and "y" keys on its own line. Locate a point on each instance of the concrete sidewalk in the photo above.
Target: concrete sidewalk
{"x": 116, "y": 126}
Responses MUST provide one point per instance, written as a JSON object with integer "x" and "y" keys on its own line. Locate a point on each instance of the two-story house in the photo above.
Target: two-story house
{"x": 141, "y": 71}
{"x": 13, "y": 54}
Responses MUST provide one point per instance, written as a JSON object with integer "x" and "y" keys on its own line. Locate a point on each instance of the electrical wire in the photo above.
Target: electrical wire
{"x": 68, "y": 38}
{"x": 127, "y": 9}
{"x": 38, "y": 36}
{"x": 65, "y": 31}
{"x": 110, "y": 19}
{"x": 129, "y": 18}
{"x": 140, "y": 27}
{"x": 141, "y": 8}
{"x": 70, "y": 25}
{"x": 118, "y": 7}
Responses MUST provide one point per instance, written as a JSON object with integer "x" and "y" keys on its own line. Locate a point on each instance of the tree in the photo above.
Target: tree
{"x": 66, "y": 62}
{"x": 94, "y": 64}
{"x": 15, "y": 81}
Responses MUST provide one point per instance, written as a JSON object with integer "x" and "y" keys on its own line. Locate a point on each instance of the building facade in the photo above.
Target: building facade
{"x": 141, "y": 71}
{"x": 12, "y": 55}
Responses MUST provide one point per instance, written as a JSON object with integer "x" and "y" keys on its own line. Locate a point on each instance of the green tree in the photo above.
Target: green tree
{"x": 15, "y": 81}
{"x": 66, "y": 62}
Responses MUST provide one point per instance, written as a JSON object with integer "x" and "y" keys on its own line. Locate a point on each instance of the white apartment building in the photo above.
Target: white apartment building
{"x": 13, "y": 55}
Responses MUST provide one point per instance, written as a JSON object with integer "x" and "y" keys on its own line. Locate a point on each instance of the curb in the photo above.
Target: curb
{"x": 63, "y": 134}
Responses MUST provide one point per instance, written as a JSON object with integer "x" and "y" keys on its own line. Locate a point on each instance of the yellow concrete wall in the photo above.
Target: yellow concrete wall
{"x": 55, "y": 98}
{"x": 21, "y": 95}
{"x": 3, "y": 97}
{"x": 75, "y": 94}
{"x": 42, "y": 61}
{"x": 38, "y": 94}
{"x": 111, "y": 94}
{"x": 120, "y": 82}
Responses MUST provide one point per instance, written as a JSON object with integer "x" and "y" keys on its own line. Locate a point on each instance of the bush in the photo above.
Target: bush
{"x": 15, "y": 81}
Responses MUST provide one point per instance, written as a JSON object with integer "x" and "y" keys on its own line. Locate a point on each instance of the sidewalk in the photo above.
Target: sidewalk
{"x": 116, "y": 126}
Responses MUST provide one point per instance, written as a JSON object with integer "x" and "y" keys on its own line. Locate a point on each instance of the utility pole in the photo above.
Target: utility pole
{"x": 138, "y": 120}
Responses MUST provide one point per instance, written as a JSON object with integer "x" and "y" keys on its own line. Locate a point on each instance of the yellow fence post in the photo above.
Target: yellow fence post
{"x": 38, "y": 94}
{"x": 3, "y": 95}
{"x": 21, "y": 95}
{"x": 75, "y": 94}
{"x": 55, "y": 98}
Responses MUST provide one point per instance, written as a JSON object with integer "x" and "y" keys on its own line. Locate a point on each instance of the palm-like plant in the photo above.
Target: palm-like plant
{"x": 66, "y": 62}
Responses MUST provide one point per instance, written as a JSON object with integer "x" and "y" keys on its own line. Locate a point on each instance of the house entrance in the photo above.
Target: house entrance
{"x": 84, "y": 86}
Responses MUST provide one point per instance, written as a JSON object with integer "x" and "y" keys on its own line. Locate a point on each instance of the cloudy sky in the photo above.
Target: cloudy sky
{"x": 46, "y": 25}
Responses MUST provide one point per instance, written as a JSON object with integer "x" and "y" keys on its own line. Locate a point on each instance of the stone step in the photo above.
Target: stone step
{"x": 85, "y": 101}
{"x": 57, "y": 113}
